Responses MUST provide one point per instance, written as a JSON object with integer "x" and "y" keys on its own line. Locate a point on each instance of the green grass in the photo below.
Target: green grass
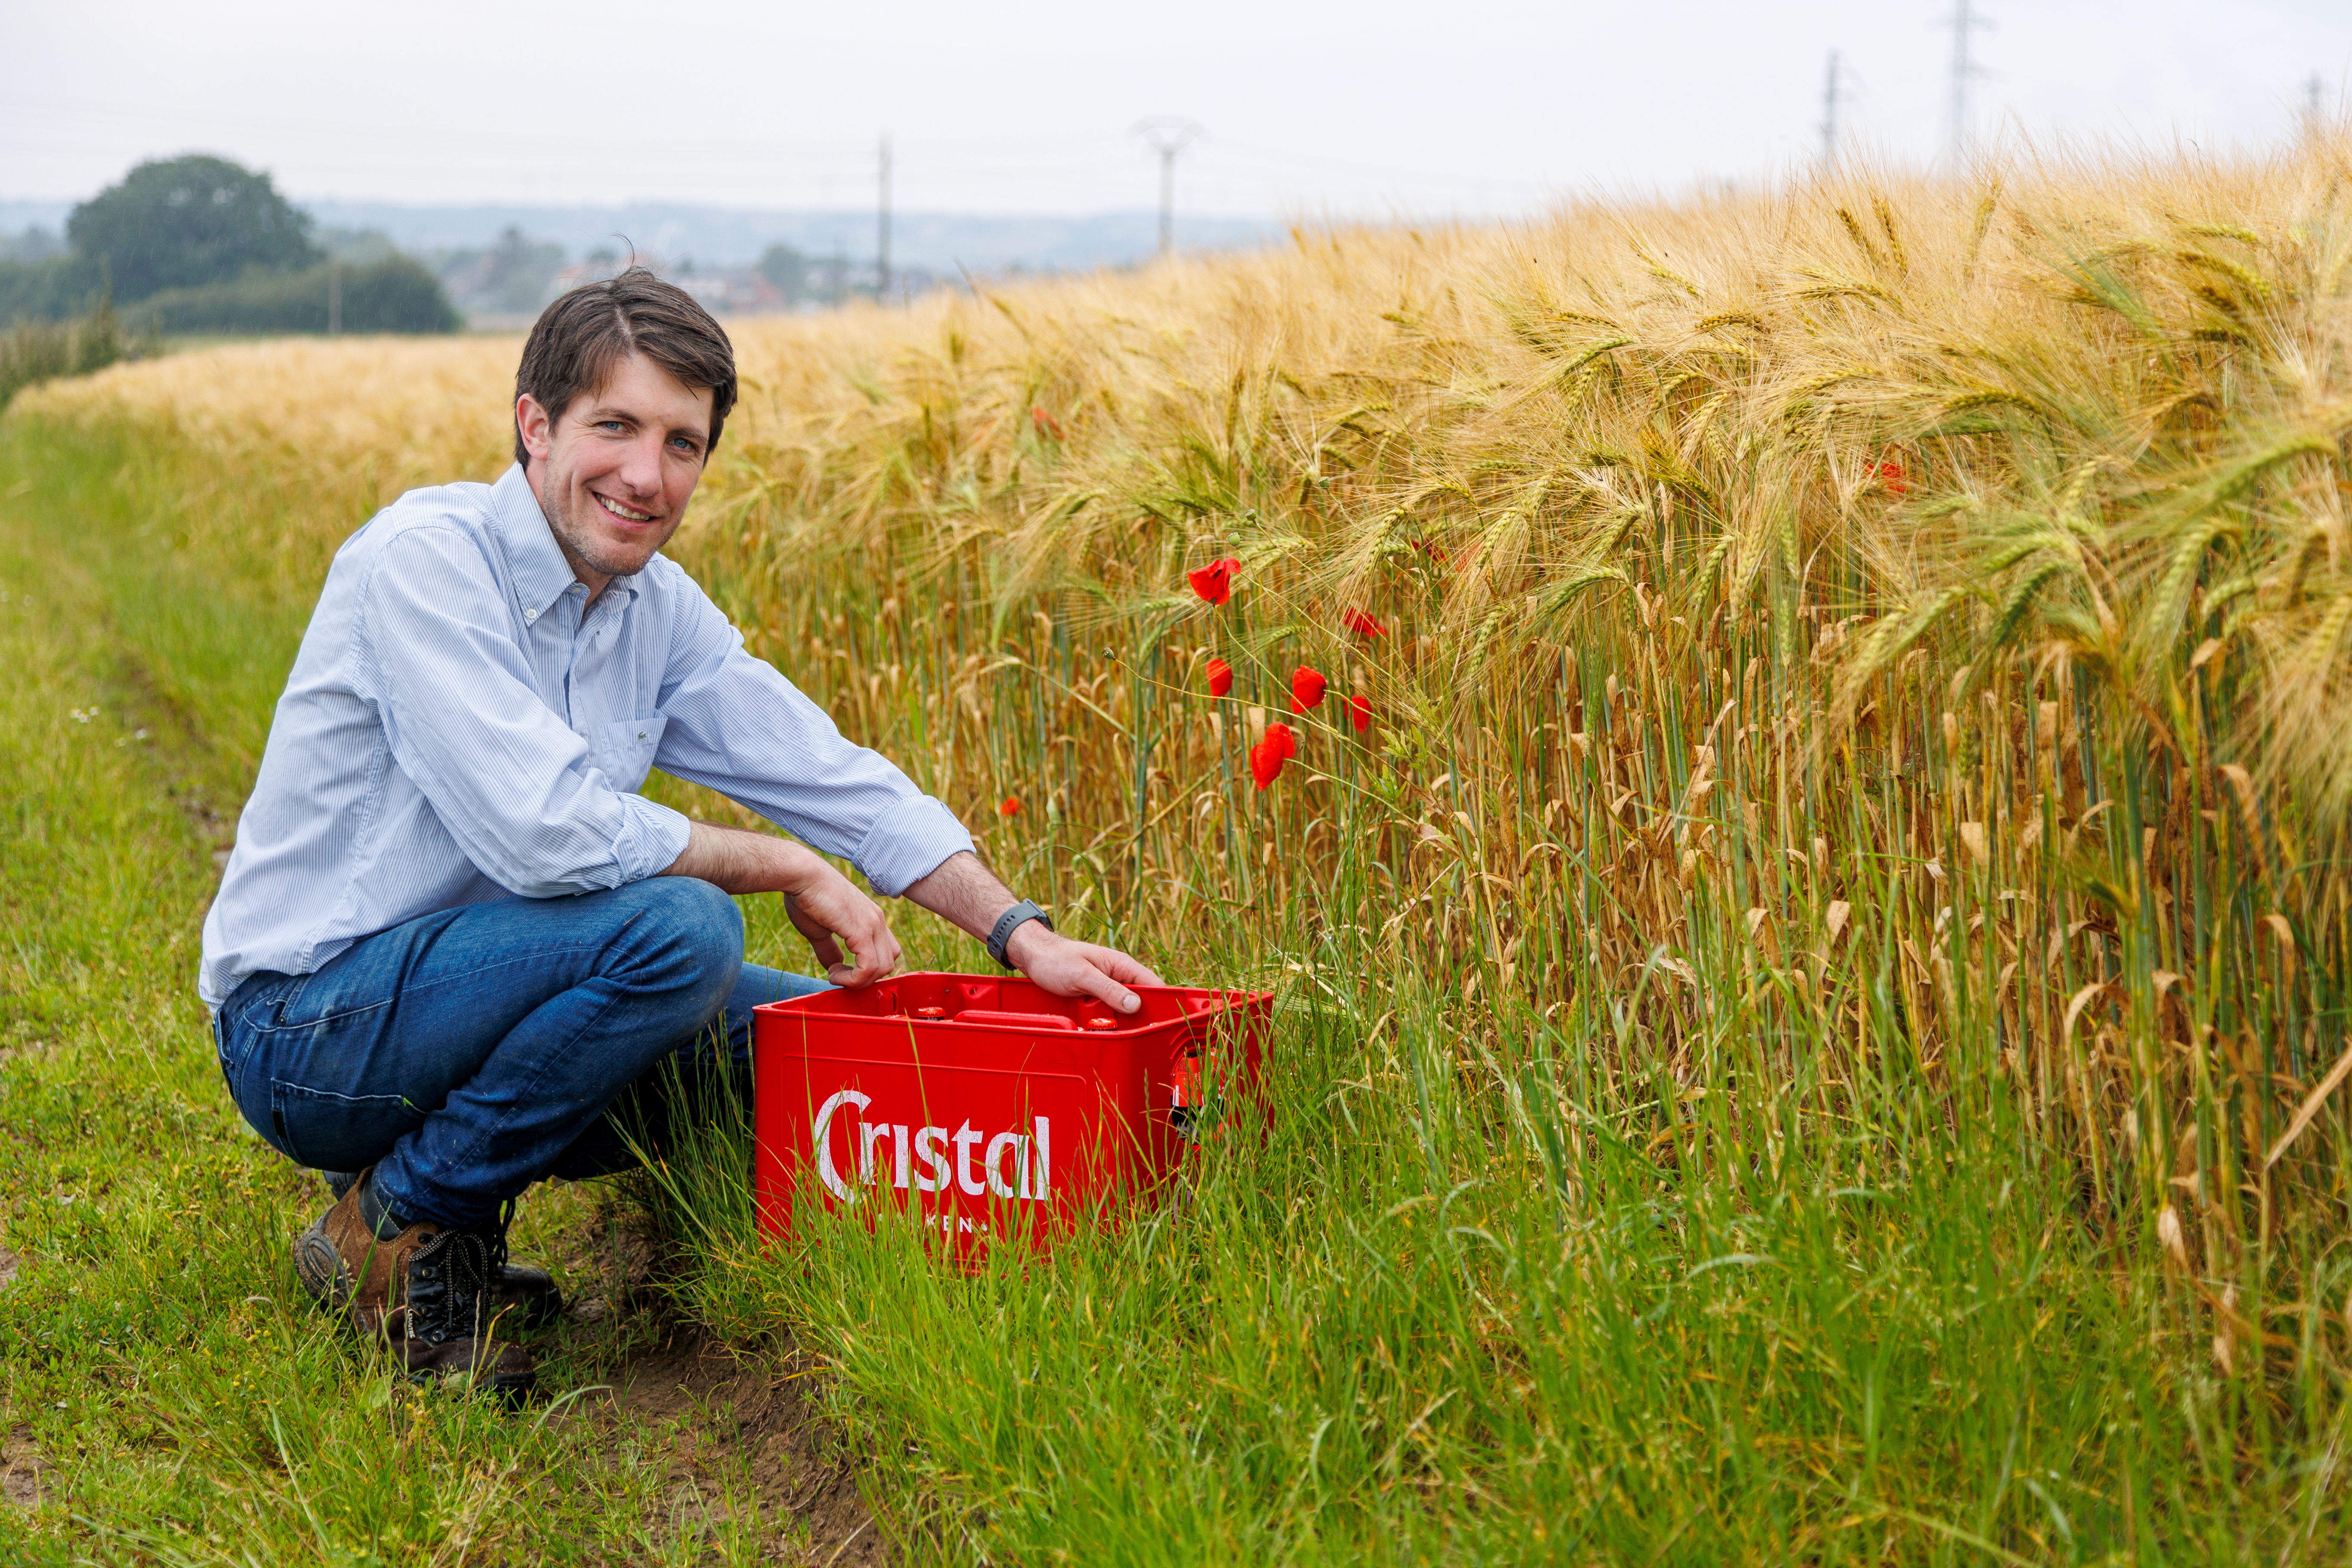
{"x": 1408, "y": 1328}
{"x": 155, "y": 1352}
{"x": 1518, "y": 1294}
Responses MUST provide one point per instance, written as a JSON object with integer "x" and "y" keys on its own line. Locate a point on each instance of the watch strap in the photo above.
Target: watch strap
{"x": 1010, "y": 921}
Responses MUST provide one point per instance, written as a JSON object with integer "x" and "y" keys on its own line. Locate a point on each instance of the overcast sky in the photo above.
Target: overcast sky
{"x": 1308, "y": 106}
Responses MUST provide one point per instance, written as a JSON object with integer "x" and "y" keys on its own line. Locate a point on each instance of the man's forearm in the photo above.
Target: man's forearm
{"x": 963, "y": 893}
{"x": 743, "y": 862}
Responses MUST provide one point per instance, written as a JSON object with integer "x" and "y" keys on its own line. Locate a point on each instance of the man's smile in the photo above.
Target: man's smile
{"x": 624, "y": 514}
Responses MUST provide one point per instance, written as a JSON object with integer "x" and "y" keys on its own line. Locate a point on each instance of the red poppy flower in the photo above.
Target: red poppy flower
{"x": 1306, "y": 685}
{"x": 1277, "y": 747}
{"x": 1012, "y": 806}
{"x": 1221, "y": 677}
{"x": 1894, "y": 479}
{"x": 1360, "y": 712}
{"x": 1364, "y": 626}
{"x": 1045, "y": 423}
{"x": 1213, "y": 582}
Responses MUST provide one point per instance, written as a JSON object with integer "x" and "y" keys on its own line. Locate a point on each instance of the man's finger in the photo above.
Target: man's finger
{"x": 865, "y": 971}
{"x": 1120, "y": 967}
{"x": 1102, "y": 988}
{"x": 878, "y": 944}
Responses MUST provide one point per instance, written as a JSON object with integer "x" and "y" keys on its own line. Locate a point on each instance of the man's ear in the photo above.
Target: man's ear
{"x": 536, "y": 426}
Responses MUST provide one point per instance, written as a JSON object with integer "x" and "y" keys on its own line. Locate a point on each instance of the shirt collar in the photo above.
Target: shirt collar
{"x": 534, "y": 560}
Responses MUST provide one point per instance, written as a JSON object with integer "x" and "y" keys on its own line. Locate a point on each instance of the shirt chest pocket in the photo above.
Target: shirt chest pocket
{"x": 625, "y": 749}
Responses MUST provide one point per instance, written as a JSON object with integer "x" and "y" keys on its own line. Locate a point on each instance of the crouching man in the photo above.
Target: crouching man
{"x": 452, "y": 938}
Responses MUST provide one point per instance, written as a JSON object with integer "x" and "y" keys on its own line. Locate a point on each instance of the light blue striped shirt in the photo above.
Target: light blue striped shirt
{"x": 457, "y": 729}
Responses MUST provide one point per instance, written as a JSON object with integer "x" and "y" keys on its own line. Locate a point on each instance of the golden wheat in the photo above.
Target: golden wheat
{"x": 1905, "y": 617}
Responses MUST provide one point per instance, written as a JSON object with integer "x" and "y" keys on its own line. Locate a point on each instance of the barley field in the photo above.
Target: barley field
{"x": 1809, "y": 914}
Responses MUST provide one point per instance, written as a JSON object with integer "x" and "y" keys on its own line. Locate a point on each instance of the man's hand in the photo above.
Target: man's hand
{"x": 827, "y": 910}
{"x": 961, "y": 891}
{"x": 1068, "y": 968}
{"x": 824, "y": 905}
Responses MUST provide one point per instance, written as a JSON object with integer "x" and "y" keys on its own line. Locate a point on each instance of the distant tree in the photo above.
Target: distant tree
{"x": 511, "y": 277}
{"x": 396, "y": 295}
{"x": 33, "y": 245}
{"x": 788, "y": 269}
{"x": 360, "y": 247}
{"x": 188, "y": 222}
{"x": 51, "y": 290}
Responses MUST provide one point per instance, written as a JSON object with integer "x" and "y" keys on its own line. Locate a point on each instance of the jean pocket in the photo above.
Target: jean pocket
{"x": 328, "y": 1131}
{"x": 247, "y": 1016}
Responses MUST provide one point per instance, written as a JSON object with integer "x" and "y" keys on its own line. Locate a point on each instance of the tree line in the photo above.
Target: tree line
{"x": 198, "y": 244}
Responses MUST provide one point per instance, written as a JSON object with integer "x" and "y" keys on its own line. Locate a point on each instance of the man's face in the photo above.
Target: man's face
{"x": 613, "y": 471}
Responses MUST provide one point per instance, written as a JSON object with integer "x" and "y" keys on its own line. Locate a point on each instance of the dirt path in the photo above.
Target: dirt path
{"x": 745, "y": 1433}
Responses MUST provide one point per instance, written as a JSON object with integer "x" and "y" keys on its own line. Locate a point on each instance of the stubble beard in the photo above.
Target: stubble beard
{"x": 577, "y": 532}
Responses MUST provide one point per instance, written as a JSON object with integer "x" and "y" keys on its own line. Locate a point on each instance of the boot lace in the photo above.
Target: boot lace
{"x": 449, "y": 1285}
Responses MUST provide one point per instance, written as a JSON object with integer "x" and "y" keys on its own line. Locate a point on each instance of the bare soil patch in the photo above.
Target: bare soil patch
{"x": 21, "y": 1469}
{"x": 750, "y": 1430}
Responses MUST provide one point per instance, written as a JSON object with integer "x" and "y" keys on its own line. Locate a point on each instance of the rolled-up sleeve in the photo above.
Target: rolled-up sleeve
{"x": 514, "y": 786}
{"x": 736, "y": 725}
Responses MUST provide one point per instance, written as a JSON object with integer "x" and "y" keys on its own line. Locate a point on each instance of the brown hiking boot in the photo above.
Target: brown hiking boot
{"x": 423, "y": 1288}
{"x": 527, "y": 1294}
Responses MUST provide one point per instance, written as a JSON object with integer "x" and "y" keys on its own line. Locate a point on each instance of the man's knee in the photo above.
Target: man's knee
{"x": 694, "y": 925}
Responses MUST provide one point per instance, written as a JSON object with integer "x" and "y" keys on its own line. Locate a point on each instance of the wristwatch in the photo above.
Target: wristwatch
{"x": 1010, "y": 921}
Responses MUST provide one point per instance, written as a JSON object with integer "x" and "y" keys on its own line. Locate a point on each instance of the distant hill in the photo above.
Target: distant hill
{"x": 732, "y": 236}
{"x": 737, "y": 236}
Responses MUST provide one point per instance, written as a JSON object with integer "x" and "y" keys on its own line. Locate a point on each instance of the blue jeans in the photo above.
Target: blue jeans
{"x": 467, "y": 1054}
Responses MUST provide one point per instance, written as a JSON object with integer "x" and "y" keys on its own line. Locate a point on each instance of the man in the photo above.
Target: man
{"x": 452, "y": 935}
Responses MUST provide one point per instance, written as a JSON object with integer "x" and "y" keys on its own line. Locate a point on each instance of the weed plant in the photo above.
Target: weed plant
{"x": 1811, "y": 1014}
{"x": 33, "y": 351}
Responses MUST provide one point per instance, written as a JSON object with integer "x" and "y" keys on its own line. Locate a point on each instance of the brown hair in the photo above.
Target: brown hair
{"x": 581, "y": 337}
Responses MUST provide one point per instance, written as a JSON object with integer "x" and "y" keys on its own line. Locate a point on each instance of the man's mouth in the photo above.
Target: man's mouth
{"x": 617, "y": 509}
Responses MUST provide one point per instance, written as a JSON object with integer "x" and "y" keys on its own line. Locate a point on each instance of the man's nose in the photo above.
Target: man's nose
{"x": 641, "y": 469}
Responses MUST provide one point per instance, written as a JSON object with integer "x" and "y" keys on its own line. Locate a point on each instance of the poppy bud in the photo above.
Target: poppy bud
{"x": 1364, "y": 626}
{"x": 1360, "y": 712}
{"x": 1214, "y": 582}
{"x": 1307, "y": 684}
{"x": 1011, "y": 807}
{"x": 1046, "y": 424}
{"x": 1221, "y": 677}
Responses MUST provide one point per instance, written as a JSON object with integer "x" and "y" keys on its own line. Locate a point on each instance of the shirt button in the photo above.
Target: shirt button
{"x": 531, "y": 614}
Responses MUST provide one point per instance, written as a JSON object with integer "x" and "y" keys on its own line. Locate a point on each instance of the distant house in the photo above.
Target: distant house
{"x": 732, "y": 291}
{"x": 722, "y": 291}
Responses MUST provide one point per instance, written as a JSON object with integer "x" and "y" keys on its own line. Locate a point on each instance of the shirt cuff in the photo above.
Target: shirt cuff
{"x": 652, "y": 839}
{"x": 907, "y": 843}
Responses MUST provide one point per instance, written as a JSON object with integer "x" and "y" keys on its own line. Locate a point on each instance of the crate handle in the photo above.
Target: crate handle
{"x": 1017, "y": 1020}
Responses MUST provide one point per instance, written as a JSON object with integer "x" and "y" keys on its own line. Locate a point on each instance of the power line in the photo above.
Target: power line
{"x": 882, "y": 227}
{"x": 1965, "y": 69}
{"x": 1831, "y": 99}
{"x": 1167, "y": 134}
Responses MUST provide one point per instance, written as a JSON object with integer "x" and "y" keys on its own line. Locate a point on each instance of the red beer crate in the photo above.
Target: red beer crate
{"x": 989, "y": 1105}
